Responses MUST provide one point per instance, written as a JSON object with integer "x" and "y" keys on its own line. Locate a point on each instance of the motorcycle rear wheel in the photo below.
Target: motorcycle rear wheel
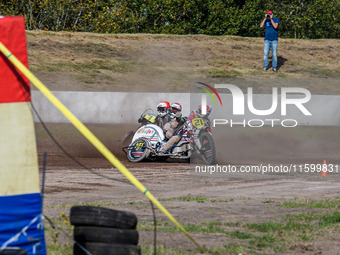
{"x": 208, "y": 153}
{"x": 138, "y": 150}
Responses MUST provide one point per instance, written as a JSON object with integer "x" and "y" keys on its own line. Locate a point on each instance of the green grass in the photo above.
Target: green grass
{"x": 230, "y": 248}
{"x": 186, "y": 199}
{"x": 217, "y": 73}
{"x": 162, "y": 250}
{"x": 197, "y": 199}
{"x": 59, "y": 249}
{"x": 278, "y": 236}
{"x": 205, "y": 228}
{"x": 61, "y": 230}
{"x": 324, "y": 203}
{"x": 281, "y": 235}
{"x": 321, "y": 72}
{"x": 99, "y": 204}
{"x": 329, "y": 220}
{"x": 222, "y": 200}
{"x": 265, "y": 227}
{"x": 233, "y": 248}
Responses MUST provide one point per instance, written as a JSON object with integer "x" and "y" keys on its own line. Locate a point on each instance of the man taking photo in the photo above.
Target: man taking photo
{"x": 271, "y": 37}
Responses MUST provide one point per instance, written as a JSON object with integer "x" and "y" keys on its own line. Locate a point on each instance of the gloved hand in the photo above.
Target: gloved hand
{"x": 178, "y": 115}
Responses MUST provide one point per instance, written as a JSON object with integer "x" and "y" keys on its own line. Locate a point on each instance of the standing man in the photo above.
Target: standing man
{"x": 270, "y": 39}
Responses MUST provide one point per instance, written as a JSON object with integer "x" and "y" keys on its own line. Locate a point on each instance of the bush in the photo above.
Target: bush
{"x": 299, "y": 18}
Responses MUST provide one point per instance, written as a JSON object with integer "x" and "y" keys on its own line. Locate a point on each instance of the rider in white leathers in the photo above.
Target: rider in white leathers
{"x": 173, "y": 130}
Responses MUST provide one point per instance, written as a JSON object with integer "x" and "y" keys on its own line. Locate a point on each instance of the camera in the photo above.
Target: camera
{"x": 268, "y": 17}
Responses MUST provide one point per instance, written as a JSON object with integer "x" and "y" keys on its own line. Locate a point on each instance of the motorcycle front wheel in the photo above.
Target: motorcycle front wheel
{"x": 138, "y": 150}
{"x": 207, "y": 152}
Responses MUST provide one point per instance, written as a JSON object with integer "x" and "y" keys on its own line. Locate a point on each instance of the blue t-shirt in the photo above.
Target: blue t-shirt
{"x": 272, "y": 34}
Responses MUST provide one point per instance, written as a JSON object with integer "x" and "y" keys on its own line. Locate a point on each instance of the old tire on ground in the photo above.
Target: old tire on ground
{"x": 13, "y": 251}
{"x": 102, "y": 217}
{"x": 106, "y": 249}
{"x": 138, "y": 150}
{"x": 208, "y": 152}
{"x": 105, "y": 235}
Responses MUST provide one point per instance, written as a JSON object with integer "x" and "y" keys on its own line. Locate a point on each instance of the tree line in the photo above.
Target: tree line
{"x": 299, "y": 18}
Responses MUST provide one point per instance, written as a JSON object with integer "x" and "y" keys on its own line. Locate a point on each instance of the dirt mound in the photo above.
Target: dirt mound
{"x": 144, "y": 62}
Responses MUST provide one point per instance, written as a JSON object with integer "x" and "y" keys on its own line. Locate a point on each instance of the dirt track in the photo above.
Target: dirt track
{"x": 242, "y": 197}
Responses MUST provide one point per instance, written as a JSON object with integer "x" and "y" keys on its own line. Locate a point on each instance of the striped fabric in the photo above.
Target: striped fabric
{"x": 20, "y": 200}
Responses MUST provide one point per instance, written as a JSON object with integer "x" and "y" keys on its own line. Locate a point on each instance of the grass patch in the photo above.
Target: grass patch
{"x": 247, "y": 238}
{"x": 233, "y": 248}
{"x": 205, "y": 228}
{"x": 197, "y": 199}
{"x": 267, "y": 241}
{"x": 303, "y": 217}
{"x": 222, "y": 200}
{"x": 230, "y": 248}
{"x": 268, "y": 202}
{"x": 189, "y": 198}
{"x": 59, "y": 249}
{"x": 324, "y": 203}
{"x": 265, "y": 227}
{"x": 162, "y": 250}
{"x": 329, "y": 220}
{"x": 98, "y": 204}
{"x": 211, "y": 228}
{"x": 218, "y": 73}
{"x": 61, "y": 229}
{"x": 323, "y": 72}
{"x": 268, "y": 237}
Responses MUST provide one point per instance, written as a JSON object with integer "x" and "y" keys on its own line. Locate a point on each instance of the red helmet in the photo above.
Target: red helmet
{"x": 176, "y": 106}
{"x": 199, "y": 111}
{"x": 163, "y": 108}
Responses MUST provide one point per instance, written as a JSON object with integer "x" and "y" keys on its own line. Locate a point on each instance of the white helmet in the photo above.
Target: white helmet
{"x": 163, "y": 108}
{"x": 176, "y": 106}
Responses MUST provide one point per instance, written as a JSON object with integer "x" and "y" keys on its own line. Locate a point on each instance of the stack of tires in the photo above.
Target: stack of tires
{"x": 13, "y": 251}
{"x": 104, "y": 231}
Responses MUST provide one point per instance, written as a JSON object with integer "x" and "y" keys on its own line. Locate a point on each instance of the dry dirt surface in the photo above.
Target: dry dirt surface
{"x": 233, "y": 201}
{"x": 228, "y": 198}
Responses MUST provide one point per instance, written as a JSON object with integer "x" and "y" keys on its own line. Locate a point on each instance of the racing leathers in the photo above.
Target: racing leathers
{"x": 190, "y": 127}
{"x": 173, "y": 131}
{"x": 161, "y": 121}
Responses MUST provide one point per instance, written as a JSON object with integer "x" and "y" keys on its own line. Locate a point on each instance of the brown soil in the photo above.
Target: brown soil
{"x": 144, "y": 62}
{"x": 96, "y": 62}
{"x": 244, "y": 196}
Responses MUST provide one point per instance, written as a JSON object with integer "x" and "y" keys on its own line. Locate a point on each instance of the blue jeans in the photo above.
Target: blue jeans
{"x": 267, "y": 45}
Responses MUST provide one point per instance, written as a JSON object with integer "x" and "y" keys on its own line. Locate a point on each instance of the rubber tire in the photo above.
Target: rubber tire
{"x": 146, "y": 151}
{"x": 210, "y": 160}
{"x": 13, "y": 251}
{"x": 102, "y": 217}
{"x": 106, "y": 249}
{"x": 105, "y": 235}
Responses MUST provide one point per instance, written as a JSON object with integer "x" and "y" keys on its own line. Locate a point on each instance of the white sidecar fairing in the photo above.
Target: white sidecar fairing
{"x": 151, "y": 132}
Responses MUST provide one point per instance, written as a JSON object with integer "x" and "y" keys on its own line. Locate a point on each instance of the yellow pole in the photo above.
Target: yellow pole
{"x": 92, "y": 138}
